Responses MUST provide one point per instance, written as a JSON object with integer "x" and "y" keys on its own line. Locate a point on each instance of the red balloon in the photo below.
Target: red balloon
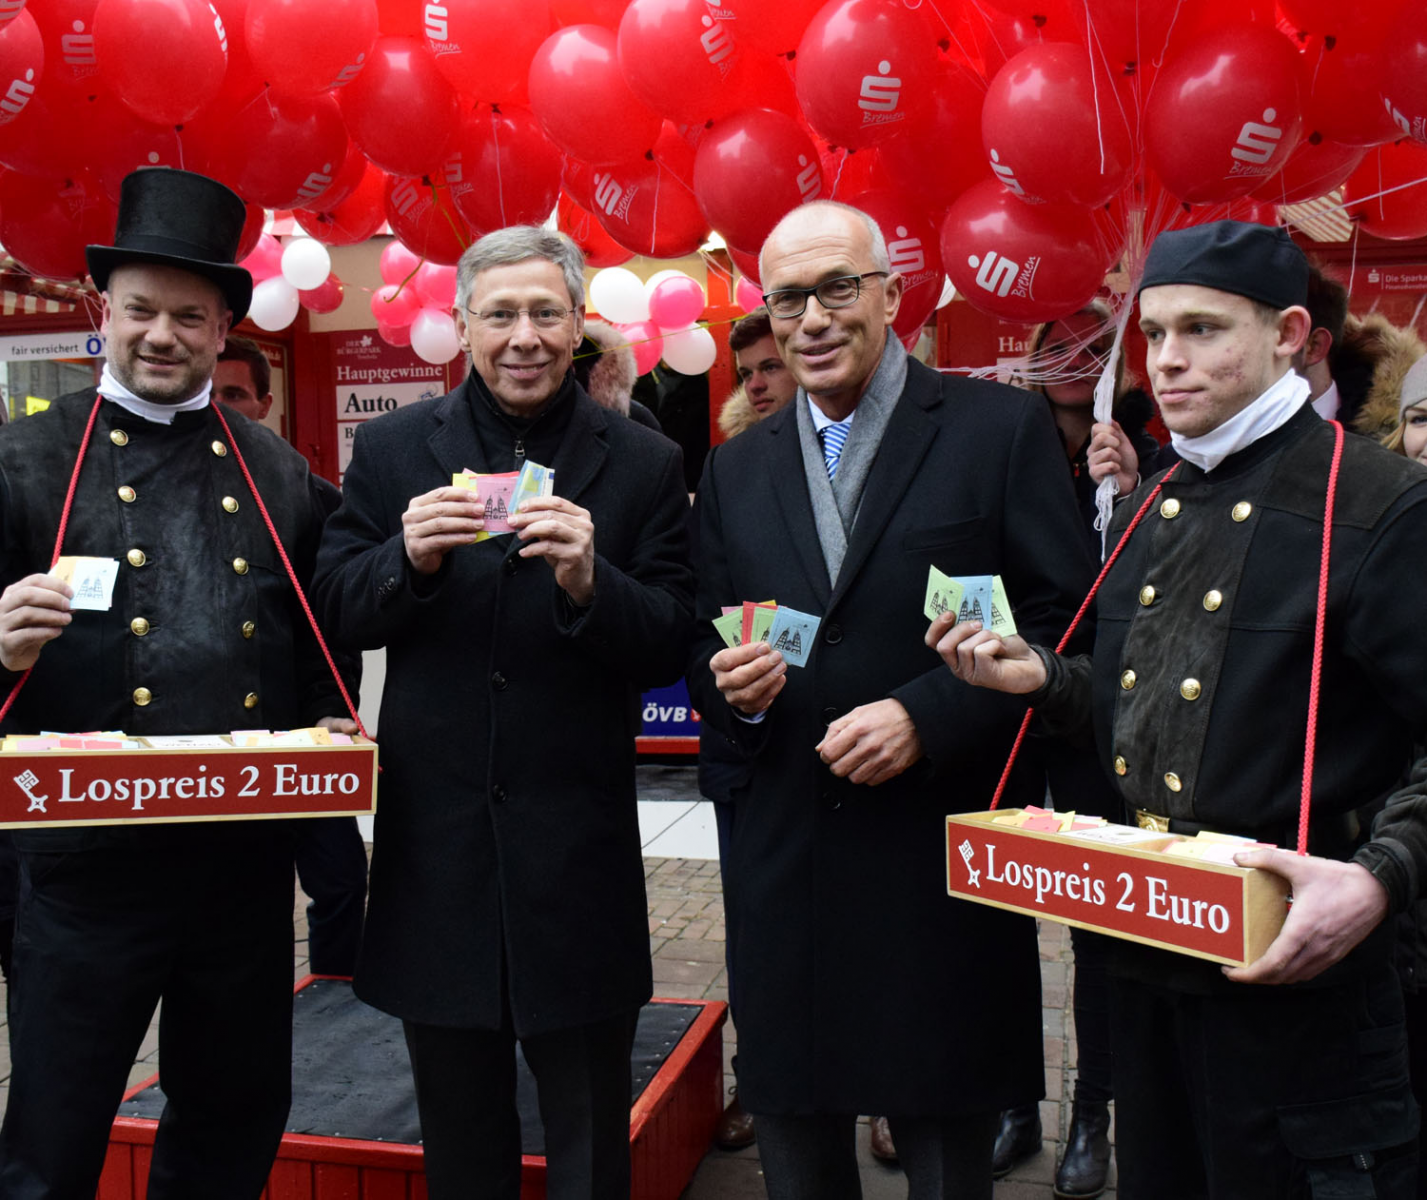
{"x": 326, "y": 297}
{"x": 759, "y": 81}
{"x": 751, "y": 168}
{"x": 399, "y": 18}
{"x": 45, "y": 223}
{"x": 1021, "y": 262}
{"x": 647, "y": 208}
{"x": 1124, "y": 30}
{"x": 588, "y": 12}
{"x": 423, "y": 215}
{"x": 122, "y": 143}
{"x": 1368, "y": 19}
{"x": 304, "y": 145}
{"x": 1404, "y": 82}
{"x": 777, "y": 28}
{"x": 1224, "y": 114}
{"x": 45, "y": 138}
{"x": 241, "y": 73}
{"x": 395, "y": 304}
{"x": 951, "y": 123}
{"x": 67, "y": 27}
{"x": 747, "y": 263}
{"x": 1053, "y": 130}
{"x": 1345, "y": 103}
{"x": 577, "y": 181}
{"x": 915, "y": 252}
{"x": 252, "y": 231}
{"x": 22, "y": 64}
{"x": 503, "y": 170}
{"x": 400, "y": 109}
{"x": 599, "y": 249}
{"x": 132, "y": 37}
{"x": 310, "y": 46}
{"x": 582, "y": 100}
{"x": 9, "y": 10}
{"x": 676, "y": 56}
{"x": 862, "y": 68}
{"x": 484, "y": 47}
{"x": 1397, "y": 209}
{"x": 353, "y": 219}
{"x": 341, "y": 183}
{"x": 849, "y": 172}
{"x": 1314, "y": 169}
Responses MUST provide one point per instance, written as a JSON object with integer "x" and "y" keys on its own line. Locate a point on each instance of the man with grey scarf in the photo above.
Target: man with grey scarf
{"x": 859, "y": 985}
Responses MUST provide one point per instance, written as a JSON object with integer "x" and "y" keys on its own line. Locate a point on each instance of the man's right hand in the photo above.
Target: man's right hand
{"x": 32, "y": 612}
{"x": 438, "y": 522}
{"x": 749, "y": 676}
{"x": 984, "y": 659}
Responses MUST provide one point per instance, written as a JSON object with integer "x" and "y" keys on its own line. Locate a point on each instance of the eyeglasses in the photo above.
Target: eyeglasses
{"x": 787, "y": 303}
{"x": 545, "y": 317}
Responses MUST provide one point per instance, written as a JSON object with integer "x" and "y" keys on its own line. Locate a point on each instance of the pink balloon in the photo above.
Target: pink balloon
{"x": 393, "y": 304}
{"x": 397, "y": 263}
{"x": 394, "y": 335}
{"x": 266, "y": 259}
{"x": 436, "y": 284}
{"x": 325, "y": 298}
{"x": 747, "y": 294}
{"x": 647, "y": 343}
{"x": 676, "y": 303}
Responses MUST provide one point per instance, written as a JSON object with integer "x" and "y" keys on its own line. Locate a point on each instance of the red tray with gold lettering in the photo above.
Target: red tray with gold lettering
{"x": 163, "y": 783}
{"x": 1210, "y": 910}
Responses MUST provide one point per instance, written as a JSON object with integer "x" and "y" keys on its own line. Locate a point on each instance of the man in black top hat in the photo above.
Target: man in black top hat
{"x": 1198, "y": 690}
{"x": 204, "y": 635}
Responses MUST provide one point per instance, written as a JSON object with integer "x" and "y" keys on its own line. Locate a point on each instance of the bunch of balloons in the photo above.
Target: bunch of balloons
{"x": 657, "y": 317}
{"x": 1020, "y": 147}
{"x": 413, "y": 305}
{"x": 286, "y": 277}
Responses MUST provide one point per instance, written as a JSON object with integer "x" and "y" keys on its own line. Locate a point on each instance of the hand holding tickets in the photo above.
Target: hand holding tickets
{"x": 790, "y": 632}
{"x": 504, "y": 493}
{"x": 975, "y": 598}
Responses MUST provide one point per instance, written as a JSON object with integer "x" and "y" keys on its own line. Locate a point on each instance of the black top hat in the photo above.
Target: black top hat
{"x": 181, "y": 220}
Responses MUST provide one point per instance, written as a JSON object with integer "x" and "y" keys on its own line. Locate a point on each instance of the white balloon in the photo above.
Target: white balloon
{"x": 690, "y": 351}
{"x": 433, "y": 335}
{"x": 306, "y": 263}
{"x": 275, "y": 304}
{"x": 618, "y": 296}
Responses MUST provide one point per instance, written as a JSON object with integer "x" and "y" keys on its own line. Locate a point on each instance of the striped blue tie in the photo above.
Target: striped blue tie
{"x": 834, "y": 436}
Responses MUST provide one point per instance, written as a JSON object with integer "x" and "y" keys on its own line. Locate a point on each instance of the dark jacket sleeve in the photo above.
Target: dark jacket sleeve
{"x": 320, "y": 694}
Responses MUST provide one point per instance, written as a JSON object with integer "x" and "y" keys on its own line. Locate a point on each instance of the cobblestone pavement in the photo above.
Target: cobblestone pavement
{"x": 686, "y": 938}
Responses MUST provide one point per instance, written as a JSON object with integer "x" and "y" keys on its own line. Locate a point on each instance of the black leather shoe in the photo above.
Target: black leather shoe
{"x": 735, "y": 1127}
{"x": 1018, "y": 1138}
{"x": 1082, "y": 1172}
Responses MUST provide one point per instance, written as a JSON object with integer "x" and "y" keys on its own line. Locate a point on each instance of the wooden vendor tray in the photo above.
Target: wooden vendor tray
{"x": 1222, "y": 913}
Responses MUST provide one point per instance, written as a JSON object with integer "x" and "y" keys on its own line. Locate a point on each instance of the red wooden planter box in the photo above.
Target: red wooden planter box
{"x": 671, "y": 1125}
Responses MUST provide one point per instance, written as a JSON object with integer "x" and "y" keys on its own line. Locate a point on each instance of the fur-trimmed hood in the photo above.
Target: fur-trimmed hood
{"x": 1369, "y": 367}
{"x": 609, "y": 375}
{"x": 737, "y": 413}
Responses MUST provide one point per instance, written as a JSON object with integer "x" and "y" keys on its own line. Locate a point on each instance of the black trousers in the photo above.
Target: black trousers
{"x": 815, "y": 1157}
{"x": 470, "y": 1130}
{"x": 100, "y": 937}
{"x": 332, "y": 869}
{"x": 1093, "y": 952}
{"x": 1263, "y": 1092}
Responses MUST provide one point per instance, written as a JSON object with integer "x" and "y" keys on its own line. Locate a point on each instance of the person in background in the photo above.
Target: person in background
{"x": 1328, "y": 312}
{"x": 331, "y": 856}
{"x": 1373, "y": 363}
{"x": 605, "y": 367}
{"x": 764, "y": 382}
{"x": 1409, "y": 438}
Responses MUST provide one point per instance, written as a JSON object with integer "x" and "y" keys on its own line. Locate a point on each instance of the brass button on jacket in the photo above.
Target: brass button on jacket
{"x": 229, "y": 504}
{"x": 1147, "y": 594}
{"x": 142, "y": 696}
{"x": 1172, "y": 782}
{"x": 1190, "y": 689}
{"x": 1121, "y": 766}
{"x": 137, "y": 558}
{"x": 118, "y": 437}
{"x": 1169, "y": 509}
{"x": 218, "y": 448}
{"x": 1212, "y": 600}
{"x": 1241, "y": 511}
{"x": 127, "y": 494}
{"x": 248, "y": 629}
{"x": 139, "y": 626}
{"x": 240, "y": 565}
{"x": 250, "y": 700}
{"x": 1127, "y": 680}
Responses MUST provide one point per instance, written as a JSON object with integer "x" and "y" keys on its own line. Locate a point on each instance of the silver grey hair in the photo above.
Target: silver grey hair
{"x": 881, "y": 261}
{"x": 517, "y": 244}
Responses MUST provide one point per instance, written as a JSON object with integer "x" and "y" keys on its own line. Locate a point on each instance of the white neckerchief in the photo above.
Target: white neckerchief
{"x": 161, "y": 414}
{"x": 1265, "y": 414}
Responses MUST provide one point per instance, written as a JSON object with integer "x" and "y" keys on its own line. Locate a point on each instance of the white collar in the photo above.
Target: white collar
{"x": 1262, "y": 416}
{"x": 1327, "y": 405}
{"x": 161, "y": 414}
{"x": 820, "y": 419}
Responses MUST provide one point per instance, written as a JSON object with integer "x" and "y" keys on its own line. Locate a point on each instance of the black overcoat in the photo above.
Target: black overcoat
{"x": 507, "y": 854}
{"x": 859, "y": 985}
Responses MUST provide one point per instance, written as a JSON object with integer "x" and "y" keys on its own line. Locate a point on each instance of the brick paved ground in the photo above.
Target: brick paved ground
{"x": 686, "y": 937}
